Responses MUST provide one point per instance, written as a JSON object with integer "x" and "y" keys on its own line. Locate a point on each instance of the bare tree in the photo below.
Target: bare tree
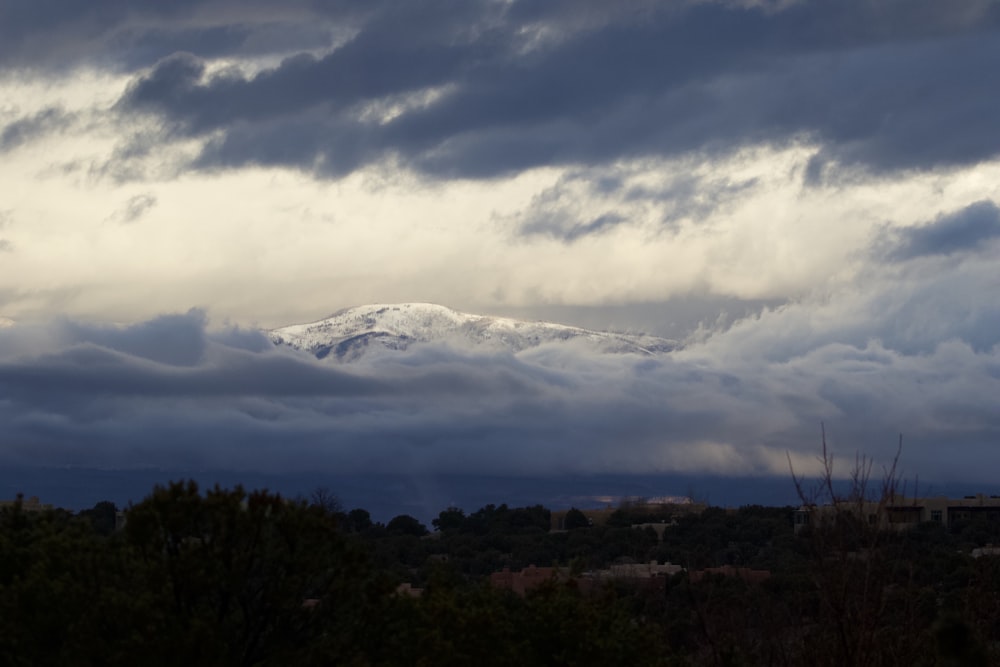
{"x": 850, "y": 536}
{"x": 324, "y": 498}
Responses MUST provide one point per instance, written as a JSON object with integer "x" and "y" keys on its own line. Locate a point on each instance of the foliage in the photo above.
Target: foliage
{"x": 358, "y": 521}
{"x": 103, "y": 517}
{"x": 404, "y": 524}
{"x": 233, "y": 577}
{"x": 576, "y": 519}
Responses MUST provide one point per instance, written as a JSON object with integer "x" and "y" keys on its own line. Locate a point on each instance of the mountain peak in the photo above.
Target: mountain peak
{"x": 350, "y": 333}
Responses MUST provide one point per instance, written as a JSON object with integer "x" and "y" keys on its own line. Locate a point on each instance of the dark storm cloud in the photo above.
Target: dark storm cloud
{"x": 123, "y": 35}
{"x": 174, "y": 340}
{"x": 170, "y": 356}
{"x": 884, "y": 86}
{"x": 447, "y": 410}
{"x": 585, "y": 202}
{"x": 567, "y": 228}
{"x": 957, "y": 232}
{"x": 29, "y": 128}
{"x": 5, "y": 246}
{"x": 135, "y": 208}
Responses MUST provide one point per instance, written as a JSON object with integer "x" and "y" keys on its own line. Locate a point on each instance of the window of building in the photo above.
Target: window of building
{"x": 936, "y": 515}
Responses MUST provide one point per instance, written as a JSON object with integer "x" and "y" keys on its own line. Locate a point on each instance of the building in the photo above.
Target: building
{"x": 31, "y": 504}
{"x": 525, "y": 580}
{"x": 745, "y": 573}
{"x": 659, "y": 510}
{"x": 648, "y": 577}
{"x": 645, "y": 576}
{"x": 406, "y": 589}
{"x": 900, "y": 513}
{"x": 640, "y": 570}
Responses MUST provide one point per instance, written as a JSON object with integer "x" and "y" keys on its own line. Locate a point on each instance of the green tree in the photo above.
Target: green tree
{"x": 576, "y": 519}
{"x": 249, "y": 578}
{"x": 358, "y": 520}
{"x": 102, "y": 517}
{"x": 65, "y": 592}
{"x": 404, "y": 524}
{"x": 451, "y": 520}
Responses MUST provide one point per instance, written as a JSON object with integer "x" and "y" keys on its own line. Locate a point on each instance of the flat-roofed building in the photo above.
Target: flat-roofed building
{"x": 901, "y": 512}
{"x": 30, "y": 504}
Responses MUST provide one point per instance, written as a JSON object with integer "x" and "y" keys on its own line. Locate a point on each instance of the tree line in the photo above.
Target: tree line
{"x": 237, "y": 577}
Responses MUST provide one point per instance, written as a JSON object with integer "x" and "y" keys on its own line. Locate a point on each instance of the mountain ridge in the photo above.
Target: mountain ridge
{"x": 350, "y": 333}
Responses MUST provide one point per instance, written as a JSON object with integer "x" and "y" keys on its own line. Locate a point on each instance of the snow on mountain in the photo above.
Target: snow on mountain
{"x": 350, "y": 333}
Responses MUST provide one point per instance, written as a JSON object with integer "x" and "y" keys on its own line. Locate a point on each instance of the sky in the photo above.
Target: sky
{"x": 805, "y": 193}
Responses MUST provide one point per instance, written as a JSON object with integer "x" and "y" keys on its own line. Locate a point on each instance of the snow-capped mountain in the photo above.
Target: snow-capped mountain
{"x": 350, "y": 333}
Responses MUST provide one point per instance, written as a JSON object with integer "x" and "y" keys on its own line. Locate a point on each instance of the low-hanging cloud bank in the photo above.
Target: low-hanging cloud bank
{"x": 895, "y": 350}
